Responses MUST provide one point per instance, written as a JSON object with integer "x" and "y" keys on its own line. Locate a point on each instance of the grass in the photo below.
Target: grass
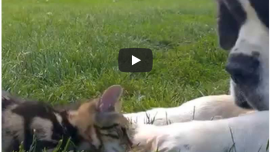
{"x": 61, "y": 51}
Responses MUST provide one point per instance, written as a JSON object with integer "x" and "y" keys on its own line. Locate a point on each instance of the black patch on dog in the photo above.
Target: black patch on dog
{"x": 236, "y": 10}
{"x": 241, "y": 101}
{"x": 244, "y": 69}
{"x": 262, "y": 9}
{"x": 231, "y": 16}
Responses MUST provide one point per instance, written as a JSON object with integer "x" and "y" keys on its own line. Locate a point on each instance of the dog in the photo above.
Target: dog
{"x": 243, "y": 31}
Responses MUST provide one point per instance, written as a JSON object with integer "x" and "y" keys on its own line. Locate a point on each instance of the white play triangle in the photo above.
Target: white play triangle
{"x": 135, "y": 60}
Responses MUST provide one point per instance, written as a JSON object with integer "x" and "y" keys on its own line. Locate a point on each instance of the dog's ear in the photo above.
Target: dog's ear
{"x": 109, "y": 101}
{"x": 228, "y": 26}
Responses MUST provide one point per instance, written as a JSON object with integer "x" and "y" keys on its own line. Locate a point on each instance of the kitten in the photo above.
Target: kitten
{"x": 96, "y": 125}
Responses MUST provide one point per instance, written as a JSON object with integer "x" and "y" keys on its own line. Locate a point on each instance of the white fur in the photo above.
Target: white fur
{"x": 249, "y": 133}
{"x": 203, "y": 108}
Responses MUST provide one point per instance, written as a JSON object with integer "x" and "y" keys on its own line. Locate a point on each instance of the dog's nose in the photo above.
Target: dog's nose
{"x": 243, "y": 68}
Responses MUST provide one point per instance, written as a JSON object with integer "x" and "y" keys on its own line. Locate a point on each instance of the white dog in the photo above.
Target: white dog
{"x": 243, "y": 30}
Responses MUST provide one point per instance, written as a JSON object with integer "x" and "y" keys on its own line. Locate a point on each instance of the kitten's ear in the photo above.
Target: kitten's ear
{"x": 72, "y": 117}
{"x": 109, "y": 100}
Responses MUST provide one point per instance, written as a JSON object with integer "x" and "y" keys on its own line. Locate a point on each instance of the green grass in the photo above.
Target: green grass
{"x": 65, "y": 50}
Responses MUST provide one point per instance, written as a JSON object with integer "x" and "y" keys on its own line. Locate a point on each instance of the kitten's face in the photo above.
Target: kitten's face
{"x": 101, "y": 124}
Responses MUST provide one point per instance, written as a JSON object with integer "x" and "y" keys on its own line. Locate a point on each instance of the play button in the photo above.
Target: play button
{"x": 135, "y": 60}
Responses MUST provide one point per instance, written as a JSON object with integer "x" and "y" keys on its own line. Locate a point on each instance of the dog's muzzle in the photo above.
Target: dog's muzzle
{"x": 244, "y": 69}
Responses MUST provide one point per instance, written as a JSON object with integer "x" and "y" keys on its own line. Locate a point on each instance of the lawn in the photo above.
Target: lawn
{"x": 62, "y": 51}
